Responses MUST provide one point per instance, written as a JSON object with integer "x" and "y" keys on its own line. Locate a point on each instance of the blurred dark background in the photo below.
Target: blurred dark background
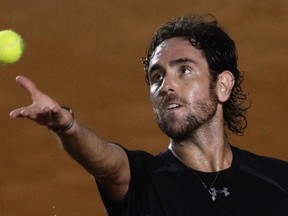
{"x": 86, "y": 54}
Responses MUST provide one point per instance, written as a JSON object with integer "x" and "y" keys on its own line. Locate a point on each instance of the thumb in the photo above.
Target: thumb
{"x": 27, "y": 84}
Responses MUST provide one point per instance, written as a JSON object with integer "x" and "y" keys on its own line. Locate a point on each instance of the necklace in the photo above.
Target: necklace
{"x": 208, "y": 189}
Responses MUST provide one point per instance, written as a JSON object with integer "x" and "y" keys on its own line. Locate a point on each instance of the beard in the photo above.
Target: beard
{"x": 181, "y": 128}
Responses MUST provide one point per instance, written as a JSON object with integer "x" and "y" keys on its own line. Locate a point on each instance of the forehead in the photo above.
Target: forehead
{"x": 175, "y": 48}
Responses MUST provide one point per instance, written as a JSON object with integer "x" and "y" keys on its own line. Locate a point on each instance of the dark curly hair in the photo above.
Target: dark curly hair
{"x": 205, "y": 34}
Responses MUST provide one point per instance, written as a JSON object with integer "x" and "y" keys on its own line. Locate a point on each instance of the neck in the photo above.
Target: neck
{"x": 207, "y": 152}
{"x": 207, "y": 149}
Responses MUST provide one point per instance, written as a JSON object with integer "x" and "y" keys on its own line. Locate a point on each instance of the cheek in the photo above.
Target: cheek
{"x": 153, "y": 101}
{"x": 196, "y": 92}
{"x": 153, "y": 89}
{"x": 154, "y": 94}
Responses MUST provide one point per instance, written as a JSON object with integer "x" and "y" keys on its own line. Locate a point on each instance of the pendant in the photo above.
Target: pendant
{"x": 213, "y": 192}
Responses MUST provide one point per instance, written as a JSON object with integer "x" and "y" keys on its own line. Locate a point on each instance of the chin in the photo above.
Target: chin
{"x": 177, "y": 131}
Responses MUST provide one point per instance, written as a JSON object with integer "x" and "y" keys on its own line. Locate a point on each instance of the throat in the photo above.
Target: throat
{"x": 204, "y": 160}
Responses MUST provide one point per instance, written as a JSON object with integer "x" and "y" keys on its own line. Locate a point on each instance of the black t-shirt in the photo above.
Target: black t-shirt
{"x": 161, "y": 185}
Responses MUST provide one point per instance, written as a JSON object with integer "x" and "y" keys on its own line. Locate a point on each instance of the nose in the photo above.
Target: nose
{"x": 169, "y": 84}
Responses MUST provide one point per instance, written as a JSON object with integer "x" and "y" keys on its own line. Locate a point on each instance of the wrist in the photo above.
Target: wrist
{"x": 66, "y": 128}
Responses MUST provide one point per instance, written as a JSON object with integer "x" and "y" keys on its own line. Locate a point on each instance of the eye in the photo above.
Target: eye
{"x": 185, "y": 70}
{"x": 156, "y": 77}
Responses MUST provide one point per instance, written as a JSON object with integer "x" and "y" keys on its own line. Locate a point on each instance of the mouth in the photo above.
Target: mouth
{"x": 170, "y": 103}
{"x": 173, "y": 106}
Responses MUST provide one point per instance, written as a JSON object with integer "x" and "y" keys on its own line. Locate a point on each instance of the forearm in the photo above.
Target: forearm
{"x": 107, "y": 162}
{"x": 83, "y": 145}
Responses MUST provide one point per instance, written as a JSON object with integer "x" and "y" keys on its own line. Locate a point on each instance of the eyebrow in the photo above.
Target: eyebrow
{"x": 180, "y": 61}
{"x": 154, "y": 68}
{"x": 171, "y": 63}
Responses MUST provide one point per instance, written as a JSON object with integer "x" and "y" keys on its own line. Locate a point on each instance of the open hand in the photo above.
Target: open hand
{"x": 43, "y": 110}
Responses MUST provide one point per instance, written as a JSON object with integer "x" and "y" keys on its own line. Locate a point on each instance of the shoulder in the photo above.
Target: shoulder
{"x": 139, "y": 156}
{"x": 142, "y": 160}
{"x": 269, "y": 165}
{"x": 244, "y": 154}
{"x": 145, "y": 162}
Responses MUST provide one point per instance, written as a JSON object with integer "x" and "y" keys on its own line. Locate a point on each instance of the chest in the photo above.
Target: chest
{"x": 183, "y": 193}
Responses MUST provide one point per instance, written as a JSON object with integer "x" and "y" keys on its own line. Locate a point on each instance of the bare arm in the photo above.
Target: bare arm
{"x": 107, "y": 162}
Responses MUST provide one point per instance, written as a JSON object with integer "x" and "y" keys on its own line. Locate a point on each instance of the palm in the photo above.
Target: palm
{"x": 41, "y": 108}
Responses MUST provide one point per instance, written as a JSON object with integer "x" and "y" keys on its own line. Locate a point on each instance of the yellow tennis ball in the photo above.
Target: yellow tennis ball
{"x": 11, "y": 47}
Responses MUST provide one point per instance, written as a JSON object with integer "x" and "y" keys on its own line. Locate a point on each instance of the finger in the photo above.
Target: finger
{"x": 57, "y": 114}
{"x": 56, "y": 118}
{"x": 52, "y": 117}
{"x": 47, "y": 113}
{"x": 16, "y": 113}
{"x": 43, "y": 117}
{"x": 62, "y": 117}
{"x": 27, "y": 84}
{"x": 21, "y": 112}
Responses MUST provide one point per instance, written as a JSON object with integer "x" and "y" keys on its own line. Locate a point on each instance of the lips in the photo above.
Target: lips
{"x": 173, "y": 106}
{"x": 171, "y": 102}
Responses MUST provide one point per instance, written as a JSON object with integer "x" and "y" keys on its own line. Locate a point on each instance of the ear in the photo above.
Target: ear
{"x": 224, "y": 85}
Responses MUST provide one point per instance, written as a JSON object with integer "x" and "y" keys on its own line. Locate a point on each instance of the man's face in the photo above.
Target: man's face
{"x": 182, "y": 96}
